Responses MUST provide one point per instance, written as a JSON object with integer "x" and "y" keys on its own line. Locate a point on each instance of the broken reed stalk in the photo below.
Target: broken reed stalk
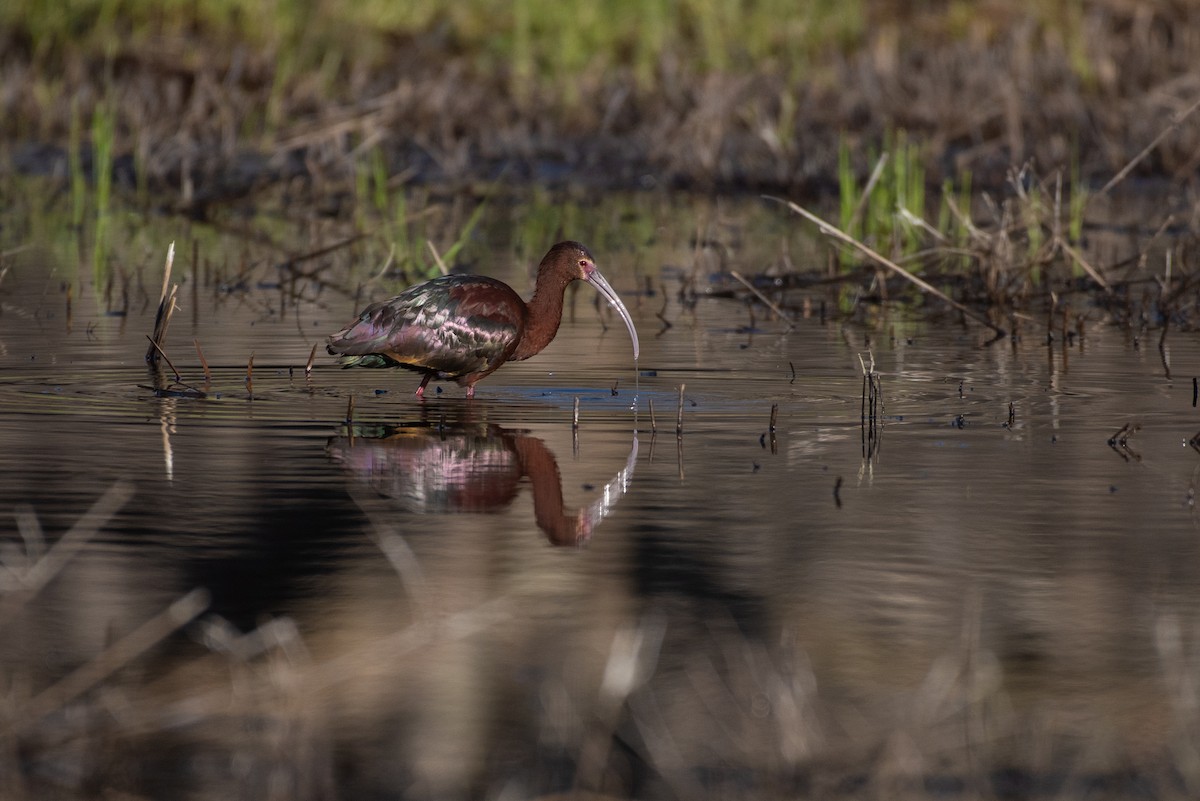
{"x": 764, "y": 300}
{"x": 250, "y": 375}
{"x": 203, "y": 362}
{"x": 679, "y": 416}
{"x": 835, "y": 232}
{"x": 1176, "y": 121}
{"x": 871, "y": 407}
{"x": 350, "y": 410}
{"x": 661, "y": 314}
{"x": 159, "y": 352}
{"x": 437, "y": 257}
{"x": 52, "y": 561}
{"x": 774, "y": 416}
{"x": 1124, "y": 433}
{"x": 309, "y": 364}
{"x": 1087, "y": 268}
{"x": 654, "y": 425}
{"x": 575, "y": 415}
{"x": 166, "y": 305}
{"x": 116, "y": 656}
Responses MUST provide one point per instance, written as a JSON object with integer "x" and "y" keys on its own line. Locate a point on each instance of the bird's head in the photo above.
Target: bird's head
{"x": 574, "y": 261}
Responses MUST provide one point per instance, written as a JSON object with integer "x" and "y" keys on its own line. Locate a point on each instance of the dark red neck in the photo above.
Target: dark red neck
{"x": 543, "y": 314}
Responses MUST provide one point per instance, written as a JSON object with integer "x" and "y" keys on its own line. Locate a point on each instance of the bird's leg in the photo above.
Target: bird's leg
{"x": 470, "y": 391}
{"x": 421, "y": 389}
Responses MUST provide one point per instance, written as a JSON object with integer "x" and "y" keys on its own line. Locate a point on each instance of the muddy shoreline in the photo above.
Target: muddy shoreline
{"x": 215, "y": 126}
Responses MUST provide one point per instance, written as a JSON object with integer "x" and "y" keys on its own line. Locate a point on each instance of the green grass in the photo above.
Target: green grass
{"x": 872, "y": 210}
{"x": 79, "y": 188}
{"x": 535, "y": 40}
{"x": 956, "y": 231}
{"x": 103, "y": 132}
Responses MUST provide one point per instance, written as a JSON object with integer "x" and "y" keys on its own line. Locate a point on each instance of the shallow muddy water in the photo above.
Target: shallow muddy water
{"x": 448, "y": 599}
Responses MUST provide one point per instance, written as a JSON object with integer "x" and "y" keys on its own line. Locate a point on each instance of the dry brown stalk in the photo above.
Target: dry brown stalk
{"x": 1087, "y": 268}
{"x": 1176, "y": 121}
{"x": 4, "y": 254}
{"x": 679, "y": 417}
{"x": 763, "y": 298}
{"x": 39, "y": 574}
{"x": 309, "y": 364}
{"x": 166, "y": 305}
{"x": 203, "y": 361}
{"x": 837, "y": 233}
{"x": 112, "y": 659}
{"x": 159, "y": 352}
{"x": 437, "y": 257}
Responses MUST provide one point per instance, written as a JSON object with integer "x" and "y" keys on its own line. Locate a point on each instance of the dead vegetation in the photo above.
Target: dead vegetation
{"x": 378, "y": 694}
{"x": 1025, "y": 118}
{"x": 220, "y": 122}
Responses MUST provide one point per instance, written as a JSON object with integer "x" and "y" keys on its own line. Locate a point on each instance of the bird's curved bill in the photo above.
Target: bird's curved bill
{"x": 597, "y": 280}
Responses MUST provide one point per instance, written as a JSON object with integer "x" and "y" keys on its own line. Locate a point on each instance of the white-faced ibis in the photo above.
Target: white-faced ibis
{"x": 463, "y": 327}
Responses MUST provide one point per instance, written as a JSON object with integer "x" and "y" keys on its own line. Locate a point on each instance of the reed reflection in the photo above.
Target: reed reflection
{"x": 446, "y": 468}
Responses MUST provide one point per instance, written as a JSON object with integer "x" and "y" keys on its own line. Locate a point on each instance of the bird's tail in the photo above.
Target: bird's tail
{"x": 365, "y": 360}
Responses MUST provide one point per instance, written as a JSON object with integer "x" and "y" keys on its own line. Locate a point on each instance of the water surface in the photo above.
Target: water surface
{"x": 451, "y": 599}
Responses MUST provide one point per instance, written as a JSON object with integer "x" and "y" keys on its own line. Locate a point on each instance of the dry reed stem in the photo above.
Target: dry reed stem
{"x": 159, "y": 352}
{"x": 312, "y": 355}
{"x": 39, "y": 574}
{"x": 679, "y": 416}
{"x": 575, "y": 415}
{"x": 653, "y": 424}
{"x": 1176, "y": 121}
{"x": 4, "y": 254}
{"x": 112, "y": 659}
{"x": 290, "y": 264}
{"x": 203, "y": 361}
{"x": 148, "y": 716}
{"x": 399, "y": 554}
{"x": 632, "y": 658}
{"x": 437, "y": 257}
{"x": 1087, "y": 268}
{"x": 250, "y": 374}
{"x": 166, "y": 306}
{"x": 837, "y": 233}
{"x": 763, "y": 298}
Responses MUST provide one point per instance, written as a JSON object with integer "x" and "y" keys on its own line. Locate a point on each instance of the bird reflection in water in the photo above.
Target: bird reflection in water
{"x": 446, "y": 468}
